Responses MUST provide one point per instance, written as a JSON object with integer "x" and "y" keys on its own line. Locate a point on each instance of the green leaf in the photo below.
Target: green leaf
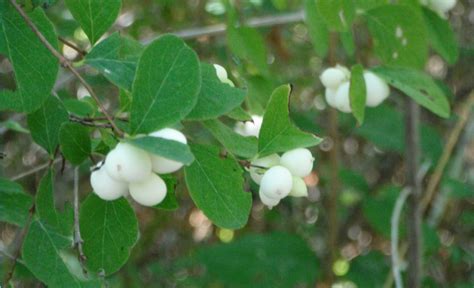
{"x": 79, "y": 108}
{"x": 368, "y": 270}
{"x": 116, "y": 58}
{"x": 317, "y": 28}
{"x": 14, "y": 126}
{"x": 239, "y": 114}
{"x": 45, "y": 123}
{"x": 109, "y": 230}
{"x": 458, "y": 189}
{"x": 94, "y": 16}
{"x": 419, "y": 86}
{"x": 259, "y": 90}
{"x": 14, "y": 204}
{"x": 34, "y": 66}
{"x": 399, "y": 35}
{"x": 215, "y": 98}
{"x": 278, "y": 134}
{"x": 170, "y": 202}
{"x": 441, "y": 36}
{"x": 215, "y": 184}
{"x": 338, "y": 14}
{"x": 42, "y": 253}
{"x": 169, "y": 149}
{"x": 347, "y": 40}
{"x": 358, "y": 93}
{"x": 75, "y": 142}
{"x": 266, "y": 261}
{"x": 236, "y": 144}
{"x": 248, "y": 44}
{"x": 166, "y": 85}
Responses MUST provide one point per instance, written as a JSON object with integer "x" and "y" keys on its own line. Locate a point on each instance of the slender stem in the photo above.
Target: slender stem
{"x": 64, "y": 62}
{"x": 86, "y": 122}
{"x": 35, "y": 169}
{"x": 77, "y": 231}
{"x": 73, "y": 46}
{"x": 412, "y": 156}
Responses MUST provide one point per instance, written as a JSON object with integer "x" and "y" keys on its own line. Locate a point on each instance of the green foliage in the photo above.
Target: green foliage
{"x": 417, "y": 85}
{"x": 378, "y": 210}
{"x": 399, "y": 35}
{"x": 109, "y": 230}
{"x": 170, "y": 202}
{"x": 45, "y": 123}
{"x": 278, "y": 134}
{"x": 116, "y": 58}
{"x": 358, "y": 93}
{"x": 169, "y": 149}
{"x": 34, "y": 66}
{"x": 14, "y": 204}
{"x": 215, "y": 98}
{"x": 75, "y": 142}
{"x": 338, "y": 14}
{"x": 215, "y": 184}
{"x": 368, "y": 270}
{"x": 317, "y": 28}
{"x": 162, "y": 97}
{"x": 248, "y": 44}
{"x": 94, "y": 16}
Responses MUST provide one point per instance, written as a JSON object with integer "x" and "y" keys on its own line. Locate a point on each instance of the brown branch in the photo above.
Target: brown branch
{"x": 19, "y": 241}
{"x": 81, "y": 52}
{"x": 65, "y": 63}
{"x": 86, "y": 122}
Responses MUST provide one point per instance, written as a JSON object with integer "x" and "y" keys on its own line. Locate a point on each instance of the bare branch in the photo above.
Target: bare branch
{"x": 73, "y": 46}
{"x": 77, "y": 231}
{"x": 36, "y": 169}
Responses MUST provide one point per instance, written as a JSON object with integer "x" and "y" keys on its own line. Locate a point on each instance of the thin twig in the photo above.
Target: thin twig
{"x": 64, "y": 62}
{"x": 19, "y": 242}
{"x": 35, "y": 169}
{"x": 77, "y": 231}
{"x": 394, "y": 223}
{"x": 89, "y": 123}
{"x": 73, "y": 46}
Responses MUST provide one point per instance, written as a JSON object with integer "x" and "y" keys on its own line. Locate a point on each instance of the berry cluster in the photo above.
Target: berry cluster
{"x": 440, "y": 6}
{"x": 337, "y": 82}
{"x": 130, "y": 169}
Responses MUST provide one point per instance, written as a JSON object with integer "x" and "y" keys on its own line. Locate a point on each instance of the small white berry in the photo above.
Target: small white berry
{"x": 221, "y": 72}
{"x": 267, "y": 201}
{"x": 299, "y": 188}
{"x": 442, "y": 6}
{"x": 128, "y": 163}
{"x": 298, "y": 161}
{"x": 333, "y": 77}
{"x": 149, "y": 192}
{"x": 257, "y": 168}
{"x": 276, "y": 182}
{"x": 377, "y": 89}
{"x": 106, "y": 187}
{"x": 249, "y": 128}
{"x": 160, "y": 164}
{"x": 330, "y": 95}
{"x": 342, "y": 100}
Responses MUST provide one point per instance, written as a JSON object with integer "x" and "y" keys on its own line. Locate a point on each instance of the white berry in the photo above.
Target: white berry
{"x": 298, "y": 161}
{"x": 276, "y": 182}
{"x": 221, "y": 72}
{"x": 299, "y": 188}
{"x": 377, "y": 89}
{"x": 330, "y": 95}
{"x": 106, "y": 187}
{"x": 149, "y": 192}
{"x": 442, "y": 6}
{"x": 160, "y": 164}
{"x": 257, "y": 168}
{"x": 249, "y": 128}
{"x": 332, "y": 77}
{"x": 342, "y": 99}
{"x": 128, "y": 163}
{"x": 267, "y": 201}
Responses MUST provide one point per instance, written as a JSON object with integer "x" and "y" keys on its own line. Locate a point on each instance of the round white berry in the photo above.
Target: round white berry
{"x": 442, "y": 6}
{"x": 128, "y": 163}
{"x": 106, "y": 187}
{"x": 330, "y": 95}
{"x": 258, "y": 166}
{"x": 332, "y": 77}
{"x": 249, "y": 128}
{"x": 160, "y": 164}
{"x": 299, "y": 188}
{"x": 221, "y": 72}
{"x": 276, "y": 182}
{"x": 377, "y": 89}
{"x": 342, "y": 100}
{"x": 149, "y": 192}
{"x": 298, "y": 161}
{"x": 267, "y": 201}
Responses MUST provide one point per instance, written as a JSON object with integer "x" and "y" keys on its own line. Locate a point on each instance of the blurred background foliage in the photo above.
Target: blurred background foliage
{"x": 286, "y": 246}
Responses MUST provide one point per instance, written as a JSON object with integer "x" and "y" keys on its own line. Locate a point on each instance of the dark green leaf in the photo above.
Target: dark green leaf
{"x": 368, "y": 270}
{"x": 239, "y": 145}
{"x": 278, "y": 134}
{"x": 169, "y": 149}
{"x": 358, "y": 93}
{"x": 317, "y": 28}
{"x": 259, "y": 90}
{"x": 34, "y": 66}
{"x": 78, "y": 107}
{"x": 170, "y": 202}
{"x": 215, "y": 183}
{"x": 338, "y": 14}
{"x": 45, "y": 123}
{"x": 419, "y": 86}
{"x": 14, "y": 203}
{"x": 75, "y": 142}
{"x": 166, "y": 85}
{"x": 116, "y": 58}
{"x": 248, "y": 44}
{"x": 239, "y": 114}
{"x": 109, "y": 230}
{"x": 94, "y": 16}
{"x": 215, "y": 98}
